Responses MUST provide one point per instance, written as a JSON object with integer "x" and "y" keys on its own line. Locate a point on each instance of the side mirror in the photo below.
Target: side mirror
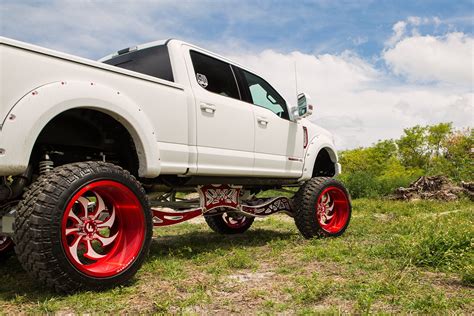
{"x": 304, "y": 108}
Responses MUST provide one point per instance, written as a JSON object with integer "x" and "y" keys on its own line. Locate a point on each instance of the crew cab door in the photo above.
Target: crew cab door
{"x": 224, "y": 123}
{"x": 278, "y": 141}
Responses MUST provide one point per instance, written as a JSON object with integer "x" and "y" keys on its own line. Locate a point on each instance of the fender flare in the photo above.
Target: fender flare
{"x": 32, "y": 112}
{"x": 315, "y": 146}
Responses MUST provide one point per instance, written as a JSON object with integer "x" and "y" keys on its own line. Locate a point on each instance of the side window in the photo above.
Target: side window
{"x": 153, "y": 61}
{"x": 264, "y": 95}
{"x": 214, "y": 75}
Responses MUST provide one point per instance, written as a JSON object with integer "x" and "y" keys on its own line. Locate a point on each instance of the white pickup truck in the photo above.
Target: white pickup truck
{"x": 92, "y": 155}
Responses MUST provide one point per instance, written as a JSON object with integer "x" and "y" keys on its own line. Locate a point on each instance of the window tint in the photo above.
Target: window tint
{"x": 153, "y": 61}
{"x": 214, "y": 75}
{"x": 264, "y": 95}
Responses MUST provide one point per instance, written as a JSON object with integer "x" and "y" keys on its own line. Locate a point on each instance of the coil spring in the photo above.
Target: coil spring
{"x": 45, "y": 166}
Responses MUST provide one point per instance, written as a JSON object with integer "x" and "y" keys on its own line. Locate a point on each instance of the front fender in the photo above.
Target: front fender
{"x": 30, "y": 114}
{"x": 316, "y": 144}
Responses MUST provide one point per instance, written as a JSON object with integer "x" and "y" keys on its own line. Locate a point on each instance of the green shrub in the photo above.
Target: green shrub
{"x": 361, "y": 184}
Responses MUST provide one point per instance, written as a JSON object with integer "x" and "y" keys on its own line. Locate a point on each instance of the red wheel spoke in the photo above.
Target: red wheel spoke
{"x": 74, "y": 248}
{"x": 84, "y": 202}
{"x": 91, "y": 253}
{"x": 73, "y": 216}
{"x": 99, "y": 206}
{"x": 74, "y": 230}
{"x": 109, "y": 222}
{"x": 234, "y": 221}
{"x": 105, "y": 241}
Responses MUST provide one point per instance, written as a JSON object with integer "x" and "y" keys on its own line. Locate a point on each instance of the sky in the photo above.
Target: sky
{"x": 372, "y": 68}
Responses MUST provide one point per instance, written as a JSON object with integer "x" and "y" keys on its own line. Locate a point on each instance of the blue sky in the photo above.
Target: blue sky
{"x": 373, "y": 67}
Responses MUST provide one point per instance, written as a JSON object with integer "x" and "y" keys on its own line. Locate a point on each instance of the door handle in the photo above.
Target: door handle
{"x": 208, "y": 108}
{"x": 262, "y": 120}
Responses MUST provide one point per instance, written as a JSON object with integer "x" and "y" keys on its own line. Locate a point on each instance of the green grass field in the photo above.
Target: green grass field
{"x": 394, "y": 257}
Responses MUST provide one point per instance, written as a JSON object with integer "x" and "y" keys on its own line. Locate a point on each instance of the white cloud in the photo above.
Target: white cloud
{"x": 399, "y": 29}
{"x": 357, "y": 102}
{"x": 447, "y": 58}
{"x": 410, "y": 26}
{"x": 443, "y": 59}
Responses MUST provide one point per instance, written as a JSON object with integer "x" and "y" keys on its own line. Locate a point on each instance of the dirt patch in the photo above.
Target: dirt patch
{"x": 251, "y": 276}
{"x": 434, "y": 188}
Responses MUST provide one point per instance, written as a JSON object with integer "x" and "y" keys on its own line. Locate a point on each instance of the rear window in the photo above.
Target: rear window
{"x": 153, "y": 61}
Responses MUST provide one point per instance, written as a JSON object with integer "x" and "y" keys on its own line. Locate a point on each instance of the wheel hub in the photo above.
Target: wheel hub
{"x": 90, "y": 227}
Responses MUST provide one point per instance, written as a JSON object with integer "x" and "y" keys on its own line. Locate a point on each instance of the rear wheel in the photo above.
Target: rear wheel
{"x": 322, "y": 208}
{"x": 6, "y": 247}
{"x": 88, "y": 226}
{"x": 229, "y": 223}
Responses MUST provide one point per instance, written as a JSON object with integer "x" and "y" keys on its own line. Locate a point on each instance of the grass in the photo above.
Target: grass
{"x": 395, "y": 257}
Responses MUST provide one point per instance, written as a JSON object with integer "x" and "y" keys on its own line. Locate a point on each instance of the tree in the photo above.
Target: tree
{"x": 460, "y": 154}
{"x": 413, "y": 147}
{"x": 437, "y": 134}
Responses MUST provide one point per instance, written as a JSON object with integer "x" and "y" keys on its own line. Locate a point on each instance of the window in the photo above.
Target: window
{"x": 262, "y": 94}
{"x": 214, "y": 75}
{"x": 153, "y": 61}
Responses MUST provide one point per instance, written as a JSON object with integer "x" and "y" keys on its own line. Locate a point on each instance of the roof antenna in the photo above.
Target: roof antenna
{"x": 296, "y": 81}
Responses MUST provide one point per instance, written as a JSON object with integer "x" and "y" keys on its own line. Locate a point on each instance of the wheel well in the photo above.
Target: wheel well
{"x": 324, "y": 165}
{"x": 84, "y": 134}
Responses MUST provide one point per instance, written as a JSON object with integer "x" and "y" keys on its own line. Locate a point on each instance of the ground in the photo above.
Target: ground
{"x": 394, "y": 257}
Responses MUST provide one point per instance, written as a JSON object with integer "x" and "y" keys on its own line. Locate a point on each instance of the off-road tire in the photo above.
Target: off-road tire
{"x": 38, "y": 236}
{"x": 219, "y": 225}
{"x": 305, "y": 202}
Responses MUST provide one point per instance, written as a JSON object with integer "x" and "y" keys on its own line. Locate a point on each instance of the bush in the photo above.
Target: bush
{"x": 366, "y": 183}
{"x": 422, "y": 150}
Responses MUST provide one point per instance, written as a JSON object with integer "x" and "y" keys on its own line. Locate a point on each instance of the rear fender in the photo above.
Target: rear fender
{"x": 30, "y": 114}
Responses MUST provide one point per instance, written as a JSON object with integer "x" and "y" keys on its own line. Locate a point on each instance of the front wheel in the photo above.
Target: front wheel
{"x": 86, "y": 226}
{"x": 322, "y": 208}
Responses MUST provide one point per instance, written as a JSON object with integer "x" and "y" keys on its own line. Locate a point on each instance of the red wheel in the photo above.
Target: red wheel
{"x": 229, "y": 223}
{"x": 103, "y": 228}
{"x": 234, "y": 220}
{"x": 6, "y": 244}
{"x": 332, "y": 209}
{"x": 322, "y": 208}
{"x": 84, "y": 226}
{"x": 6, "y": 247}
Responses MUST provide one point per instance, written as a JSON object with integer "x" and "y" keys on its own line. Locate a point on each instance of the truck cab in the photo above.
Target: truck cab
{"x": 243, "y": 126}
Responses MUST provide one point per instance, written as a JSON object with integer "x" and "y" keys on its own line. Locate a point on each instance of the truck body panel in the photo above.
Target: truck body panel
{"x": 178, "y": 128}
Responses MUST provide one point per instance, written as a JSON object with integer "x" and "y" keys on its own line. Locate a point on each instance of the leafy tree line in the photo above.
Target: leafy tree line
{"x": 421, "y": 150}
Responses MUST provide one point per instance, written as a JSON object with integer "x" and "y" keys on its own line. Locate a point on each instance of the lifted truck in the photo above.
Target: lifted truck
{"x": 91, "y": 154}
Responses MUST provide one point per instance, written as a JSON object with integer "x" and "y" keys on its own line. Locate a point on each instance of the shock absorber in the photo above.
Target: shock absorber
{"x": 46, "y": 165}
